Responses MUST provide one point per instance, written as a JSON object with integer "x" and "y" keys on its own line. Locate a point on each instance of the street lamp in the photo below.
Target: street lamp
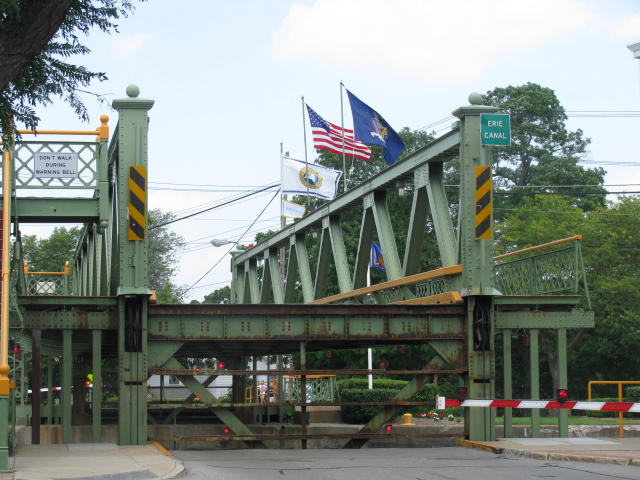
{"x": 216, "y": 242}
{"x": 635, "y": 48}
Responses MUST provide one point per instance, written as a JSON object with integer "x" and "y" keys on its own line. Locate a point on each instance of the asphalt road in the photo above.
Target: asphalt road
{"x": 455, "y": 463}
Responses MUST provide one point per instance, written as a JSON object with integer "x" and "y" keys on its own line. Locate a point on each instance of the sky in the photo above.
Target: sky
{"x": 228, "y": 79}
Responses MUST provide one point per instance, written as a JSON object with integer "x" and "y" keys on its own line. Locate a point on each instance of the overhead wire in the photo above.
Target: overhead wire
{"x": 213, "y": 207}
{"x": 221, "y": 258}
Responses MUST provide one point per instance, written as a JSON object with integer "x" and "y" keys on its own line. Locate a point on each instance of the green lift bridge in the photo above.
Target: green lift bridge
{"x": 107, "y": 312}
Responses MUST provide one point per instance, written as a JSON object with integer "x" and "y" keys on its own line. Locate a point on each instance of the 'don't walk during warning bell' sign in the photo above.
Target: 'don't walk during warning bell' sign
{"x": 495, "y": 129}
{"x": 55, "y": 165}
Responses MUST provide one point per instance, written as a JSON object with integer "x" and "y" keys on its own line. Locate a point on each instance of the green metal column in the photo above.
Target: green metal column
{"x": 49, "y": 390}
{"x": 534, "y": 373}
{"x": 303, "y": 393}
{"x": 477, "y": 283}
{"x": 65, "y": 394}
{"x": 563, "y": 415}
{"x": 4, "y": 428}
{"x": 508, "y": 383}
{"x": 96, "y": 405}
{"x": 130, "y": 278}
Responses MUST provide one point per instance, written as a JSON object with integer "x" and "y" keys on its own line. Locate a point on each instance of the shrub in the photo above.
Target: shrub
{"x": 356, "y": 390}
{"x": 633, "y": 394}
{"x": 358, "y": 414}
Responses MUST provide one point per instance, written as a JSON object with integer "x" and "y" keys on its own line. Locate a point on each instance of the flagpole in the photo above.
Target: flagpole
{"x": 306, "y": 162}
{"x": 283, "y": 221}
{"x": 344, "y": 161}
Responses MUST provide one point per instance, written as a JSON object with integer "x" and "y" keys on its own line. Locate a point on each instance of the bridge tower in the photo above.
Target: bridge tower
{"x": 129, "y": 265}
{"x": 476, "y": 258}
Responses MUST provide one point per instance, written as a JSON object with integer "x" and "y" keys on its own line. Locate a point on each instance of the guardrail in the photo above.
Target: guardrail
{"x": 557, "y": 271}
{"x": 47, "y": 283}
{"x": 620, "y": 384}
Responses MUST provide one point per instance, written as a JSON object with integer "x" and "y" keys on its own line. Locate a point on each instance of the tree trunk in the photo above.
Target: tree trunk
{"x": 23, "y": 38}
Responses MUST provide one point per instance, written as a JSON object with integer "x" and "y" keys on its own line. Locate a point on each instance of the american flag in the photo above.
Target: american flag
{"x": 327, "y": 136}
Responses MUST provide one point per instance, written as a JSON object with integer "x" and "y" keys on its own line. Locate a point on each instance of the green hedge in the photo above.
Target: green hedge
{"x": 356, "y": 390}
{"x": 633, "y": 394}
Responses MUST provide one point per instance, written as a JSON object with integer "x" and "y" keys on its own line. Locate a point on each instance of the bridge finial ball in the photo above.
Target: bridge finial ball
{"x": 133, "y": 91}
{"x": 475, "y": 98}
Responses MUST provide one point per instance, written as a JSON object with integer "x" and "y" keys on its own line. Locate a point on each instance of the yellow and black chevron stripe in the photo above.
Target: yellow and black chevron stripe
{"x": 137, "y": 203}
{"x": 484, "y": 205}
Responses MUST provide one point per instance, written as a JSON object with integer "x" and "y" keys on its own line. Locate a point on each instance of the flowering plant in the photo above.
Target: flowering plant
{"x": 450, "y": 417}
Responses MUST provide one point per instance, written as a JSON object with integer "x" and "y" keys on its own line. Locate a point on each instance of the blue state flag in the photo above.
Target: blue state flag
{"x": 370, "y": 128}
{"x": 377, "y": 260}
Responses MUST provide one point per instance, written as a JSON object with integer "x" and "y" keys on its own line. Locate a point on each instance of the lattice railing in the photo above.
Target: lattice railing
{"x": 543, "y": 273}
{"x": 85, "y": 176}
{"x": 47, "y": 283}
{"x": 319, "y": 389}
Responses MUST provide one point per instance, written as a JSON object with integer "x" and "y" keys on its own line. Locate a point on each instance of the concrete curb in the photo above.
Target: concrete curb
{"x": 572, "y": 457}
{"x": 178, "y": 471}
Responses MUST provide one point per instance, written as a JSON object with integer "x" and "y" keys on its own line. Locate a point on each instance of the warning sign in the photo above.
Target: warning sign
{"x": 55, "y": 165}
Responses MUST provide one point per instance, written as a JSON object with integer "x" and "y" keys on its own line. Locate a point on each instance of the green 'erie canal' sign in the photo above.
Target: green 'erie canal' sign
{"x": 495, "y": 129}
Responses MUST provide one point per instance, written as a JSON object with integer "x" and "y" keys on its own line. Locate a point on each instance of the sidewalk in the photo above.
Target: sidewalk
{"x": 96, "y": 461}
{"x": 620, "y": 451}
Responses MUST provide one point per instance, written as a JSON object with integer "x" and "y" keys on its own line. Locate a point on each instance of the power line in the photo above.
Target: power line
{"x": 214, "y": 207}
{"x": 249, "y": 228}
{"x": 215, "y": 202}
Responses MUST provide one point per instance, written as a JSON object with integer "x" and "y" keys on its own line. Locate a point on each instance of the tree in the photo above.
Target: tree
{"x": 50, "y": 254}
{"x": 36, "y": 38}
{"x": 165, "y": 248}
{"x": 171, "y": 293}
{"x": 612, "y": 259}
{"x": 221, "y": 295}
{"x": 542, "y": 151}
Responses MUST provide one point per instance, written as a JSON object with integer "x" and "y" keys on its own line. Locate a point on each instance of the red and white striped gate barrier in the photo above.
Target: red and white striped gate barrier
{"x": 442, "y": 403}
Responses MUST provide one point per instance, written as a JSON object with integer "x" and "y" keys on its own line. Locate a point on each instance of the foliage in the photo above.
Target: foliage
{"x": 37, "y": 65}
{"x": 165, "y": 246}
{"x": 542, "y": 151}
{"x": 164, "y": 251}
{"x": 171, "y": 293}
{"x": 355, "y": 390}
{"x": 221, "y": 295}
{"x": 359, "y": 414}
{"x": 611, "y": 256}
{"x": 50, "y": 254}
{"x": 633, "y": 394}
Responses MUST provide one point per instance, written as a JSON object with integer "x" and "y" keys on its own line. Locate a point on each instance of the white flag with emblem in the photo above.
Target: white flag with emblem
{"x": 319, "y": 181}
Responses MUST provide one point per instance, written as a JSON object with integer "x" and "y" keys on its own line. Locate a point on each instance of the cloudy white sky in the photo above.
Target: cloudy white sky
{"x": 228, "y": 76}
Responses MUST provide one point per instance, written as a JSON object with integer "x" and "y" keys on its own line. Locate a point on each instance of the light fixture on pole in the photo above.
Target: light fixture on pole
{"x": 217, "y": 242}
{"x": 635, "y": 48}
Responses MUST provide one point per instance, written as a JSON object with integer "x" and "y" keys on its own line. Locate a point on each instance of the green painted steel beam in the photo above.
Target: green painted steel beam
{"x": 160, "y": 352}
{"x": 441, "y": 214}
{"x": 224, "y": 414}
{"x": 339, "y": 253}
{"x": 437, "y": 326}
{"x": 544, "y": 319}
{"x": 67, "y": 302}
{"x": 440, "y": 150}
{"x": 524, "y": 300}
{"x": 363, "y": 256}
{"x": 57, "y": 210}
{"x": 62, "y": 320}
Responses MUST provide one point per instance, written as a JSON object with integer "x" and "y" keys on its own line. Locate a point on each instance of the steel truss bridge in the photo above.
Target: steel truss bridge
{"x": 106, "y": 310}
